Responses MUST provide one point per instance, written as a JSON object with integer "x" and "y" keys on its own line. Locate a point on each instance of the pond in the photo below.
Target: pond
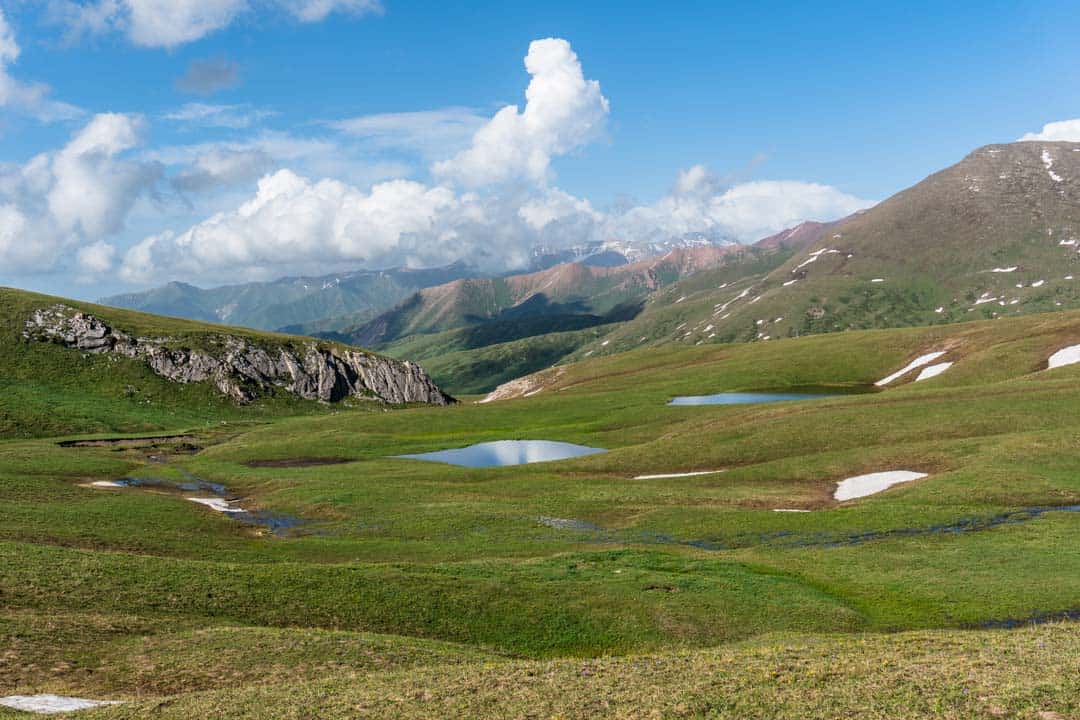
{"x": 506, "y": 452}
{"x": 748, "y": 398}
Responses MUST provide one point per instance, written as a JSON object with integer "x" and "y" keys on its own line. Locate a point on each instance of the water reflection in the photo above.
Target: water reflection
{"x": 507, "y": 452}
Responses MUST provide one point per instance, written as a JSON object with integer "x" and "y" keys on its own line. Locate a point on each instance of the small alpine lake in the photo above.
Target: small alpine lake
{"x": 747, "y": 398}
{"x": 506, "y": 452}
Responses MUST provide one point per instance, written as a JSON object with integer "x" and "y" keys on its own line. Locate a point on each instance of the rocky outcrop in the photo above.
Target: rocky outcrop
{"x": 242, "y": 369}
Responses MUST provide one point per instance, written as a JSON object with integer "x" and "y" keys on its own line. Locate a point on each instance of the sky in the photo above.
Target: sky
{"x": 223, "y": 141}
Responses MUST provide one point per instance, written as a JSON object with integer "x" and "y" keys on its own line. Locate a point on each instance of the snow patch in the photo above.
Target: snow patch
{"x": 791, "y": 282}
{"x": 664, "y": 476}
{"x": 933, "y": 371}
{"x": 1013, "y": 268}
{"x": 878, "y": 280}
{"x": 51, "y": 704}
{"x": 916, "y": 363}
{"x": 1065, "y": 356}
{"x": 940, "y": 310}
{"x": 217, "y": 504}
{"x": 1048, "y": 162}
{"x": 106, "y": 484}
{"x": 1038, "y": 283}
{"x": 873, "y": 483}
{"x": 789, "y": 510}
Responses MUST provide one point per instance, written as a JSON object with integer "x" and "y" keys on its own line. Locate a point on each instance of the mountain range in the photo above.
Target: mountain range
{"x": 995, "y": 235}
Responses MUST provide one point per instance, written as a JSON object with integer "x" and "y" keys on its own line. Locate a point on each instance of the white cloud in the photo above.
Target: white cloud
{"x": 541, "y": 211}
{"x": 95, "y": 260}
{"x": 294, "y": 225}
{"x": 33, "y": 98}
{"x": 1062, "y": 131}
{"x": 168, "y": 23}
{"x": 221, "y": 168}
{"x": 293, "y": 222}
{"x": 78, "y": 195}
{"x": 318, "y": 10}
{"x": 563, "y": 111}
{"x": 430, "y": 132}
{"x": 745, "y": 212}
{"x": 171, "y": 23}
{"x": 219, "y": 116}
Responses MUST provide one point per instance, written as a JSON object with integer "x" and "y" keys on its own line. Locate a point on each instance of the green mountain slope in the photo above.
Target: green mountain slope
{"x": 290, "y": 302}
{"x": 167, "y": 373}
{"x": 569, "y": 289}
{"x": 995, "y": 235}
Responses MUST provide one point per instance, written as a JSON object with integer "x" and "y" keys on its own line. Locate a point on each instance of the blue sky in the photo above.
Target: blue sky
{"x": 726, "y": 118}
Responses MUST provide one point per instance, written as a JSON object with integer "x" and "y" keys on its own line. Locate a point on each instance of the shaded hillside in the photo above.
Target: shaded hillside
{"x": 290, "y": 302}
{"x": 570, "y": 289}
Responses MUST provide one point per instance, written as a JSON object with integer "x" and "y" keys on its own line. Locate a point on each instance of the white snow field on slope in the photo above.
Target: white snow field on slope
{"x": 916, "y": 363}
{"x": 1065, "y": 356}
{"x": 873, "y": 483}
{"x": 933, "y": 371}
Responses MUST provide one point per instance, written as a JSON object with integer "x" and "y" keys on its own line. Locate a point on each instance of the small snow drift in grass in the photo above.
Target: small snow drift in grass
{"x": 663, "y": 476}
{"x": 106, "y": 484}
{"x": 1013, "y": 268}
{"x": 863, "y": 485}
{"x": 217, "y": 504}
{"x": 789, "y": 510}
{"x": 878, "y": 280}
{"x": 791, "y": 282}
{"x": 1038, "y": 283}
{"x": 1063, "y": 357}
{"x": 1048, "y": 162}
{"x": 916, "y": 363}
{"x": 933, "y": 371}
{"x": 51, "y": 704}
{"x": 940, "y": 310}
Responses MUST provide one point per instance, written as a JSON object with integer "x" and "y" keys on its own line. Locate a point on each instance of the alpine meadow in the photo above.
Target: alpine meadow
{"x": 368, "y": 359}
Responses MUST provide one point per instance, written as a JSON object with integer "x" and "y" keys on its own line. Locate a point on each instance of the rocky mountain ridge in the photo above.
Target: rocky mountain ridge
{"x": 242, "y": 369}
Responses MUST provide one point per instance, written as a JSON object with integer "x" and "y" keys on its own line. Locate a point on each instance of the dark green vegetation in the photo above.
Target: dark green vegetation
{"x": 413, "y": 589}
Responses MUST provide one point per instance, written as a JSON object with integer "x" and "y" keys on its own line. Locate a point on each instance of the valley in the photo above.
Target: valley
{"x": 674, "y": 558}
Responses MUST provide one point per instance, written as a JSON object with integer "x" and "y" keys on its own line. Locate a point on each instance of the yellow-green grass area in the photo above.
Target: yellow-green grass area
{"x": 469, "y": 582}
{"x": 1030, "y": 673}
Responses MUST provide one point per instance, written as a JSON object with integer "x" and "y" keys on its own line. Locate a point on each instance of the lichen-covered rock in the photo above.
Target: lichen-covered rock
{"x": 243, "y": 370}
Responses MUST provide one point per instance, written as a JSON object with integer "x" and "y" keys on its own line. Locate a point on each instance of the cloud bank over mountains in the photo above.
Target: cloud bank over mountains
{"x": 486, "y": 191}
{"x": 491, "y": 203}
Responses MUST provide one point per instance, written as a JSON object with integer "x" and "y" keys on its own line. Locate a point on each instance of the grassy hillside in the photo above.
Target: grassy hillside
{"x": 995, "y": 235}
{"x": 52, "y": 390}
{"x": 137, "y": 594}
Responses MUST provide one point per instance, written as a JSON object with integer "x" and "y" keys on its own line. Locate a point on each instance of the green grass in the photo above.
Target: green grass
{"x": 419, "y": 589}
{"x": 49, "y": 390}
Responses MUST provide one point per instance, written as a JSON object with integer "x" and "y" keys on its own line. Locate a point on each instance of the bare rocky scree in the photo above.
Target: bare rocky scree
{"x": 243, "y": 370}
